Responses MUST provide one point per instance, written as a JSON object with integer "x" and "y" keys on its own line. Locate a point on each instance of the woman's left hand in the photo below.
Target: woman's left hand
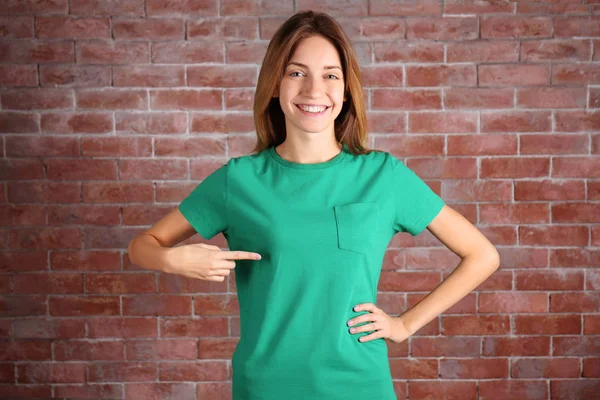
{"x": 385, "y": 326}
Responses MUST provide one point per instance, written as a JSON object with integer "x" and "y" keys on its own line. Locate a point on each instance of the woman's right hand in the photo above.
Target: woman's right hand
{"x": 204, "y": 261}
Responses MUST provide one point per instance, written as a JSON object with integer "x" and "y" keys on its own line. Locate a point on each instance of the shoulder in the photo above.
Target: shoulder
{"x": 246, "y": 162}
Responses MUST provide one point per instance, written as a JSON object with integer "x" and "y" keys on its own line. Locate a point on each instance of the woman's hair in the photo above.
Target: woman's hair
{"x": 351, "y": 123}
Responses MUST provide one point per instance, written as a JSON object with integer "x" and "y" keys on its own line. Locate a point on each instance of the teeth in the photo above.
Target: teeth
{"x": 313, "y": 109}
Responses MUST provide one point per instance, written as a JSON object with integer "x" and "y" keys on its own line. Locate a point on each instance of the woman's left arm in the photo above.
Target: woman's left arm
{"x": 479, "y": 260}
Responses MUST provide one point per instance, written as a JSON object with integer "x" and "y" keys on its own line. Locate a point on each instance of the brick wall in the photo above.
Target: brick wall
{"x": 112, "y": 111}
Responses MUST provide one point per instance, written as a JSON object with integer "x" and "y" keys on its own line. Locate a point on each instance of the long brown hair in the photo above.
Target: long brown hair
{"x": 350, "y": 124}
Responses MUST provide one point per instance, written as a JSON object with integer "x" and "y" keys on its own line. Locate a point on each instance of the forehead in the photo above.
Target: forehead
{"x": 316, "y": 51}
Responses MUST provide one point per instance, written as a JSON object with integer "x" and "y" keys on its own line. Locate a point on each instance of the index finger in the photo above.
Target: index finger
{"x": 240, "y": 255}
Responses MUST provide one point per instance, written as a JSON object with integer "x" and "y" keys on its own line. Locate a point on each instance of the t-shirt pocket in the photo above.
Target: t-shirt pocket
{"x": 357, "y": 225}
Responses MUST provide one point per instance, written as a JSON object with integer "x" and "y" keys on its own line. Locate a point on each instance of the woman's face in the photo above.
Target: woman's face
{"x": 311, "y": 92}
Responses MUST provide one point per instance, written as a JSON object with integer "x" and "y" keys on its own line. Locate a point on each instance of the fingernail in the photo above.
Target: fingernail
{"x": 258, "y": 257}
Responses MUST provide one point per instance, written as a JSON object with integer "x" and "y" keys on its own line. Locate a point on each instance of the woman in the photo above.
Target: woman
{"x": 308, "y": 218}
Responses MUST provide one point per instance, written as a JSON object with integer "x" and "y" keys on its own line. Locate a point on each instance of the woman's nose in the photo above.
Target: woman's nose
{"x": 312, "y": 87}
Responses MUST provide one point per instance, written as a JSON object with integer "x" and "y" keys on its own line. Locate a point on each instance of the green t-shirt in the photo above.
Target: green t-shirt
{"x": 322, "y": 230}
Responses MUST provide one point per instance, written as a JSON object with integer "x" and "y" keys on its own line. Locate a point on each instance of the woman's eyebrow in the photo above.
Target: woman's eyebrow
{"x": 306, "y": 66}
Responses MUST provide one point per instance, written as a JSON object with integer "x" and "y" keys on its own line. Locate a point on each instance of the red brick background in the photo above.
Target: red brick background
{"x": 112, "y": 111}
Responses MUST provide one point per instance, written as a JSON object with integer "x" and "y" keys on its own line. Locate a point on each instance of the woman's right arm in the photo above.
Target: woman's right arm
{"x": 150, "y": 249}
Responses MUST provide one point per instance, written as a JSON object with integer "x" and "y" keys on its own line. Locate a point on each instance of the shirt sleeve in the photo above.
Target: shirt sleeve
{"x": 205, "y": 207}
{"x": 415, "y": 204}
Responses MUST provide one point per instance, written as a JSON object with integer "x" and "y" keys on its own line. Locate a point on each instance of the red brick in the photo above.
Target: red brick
{"x": 22, "y": 350}
{"x": 111, "y": 391}
{"x": 457, "y": 98}
{"x": 545, "y": 368}
{"x": 579, "y": 302}
{"x": 458, "y": 28}
{"x": 25, "y": 51}
{"x": 99, "y": 7}
{"x": 445, "y": 347}
{"x": 144, "y": 215}
{"x": 57, "y": 27}
{"x": 52, "y": 373}
{"x": 483, "y": 51}
{"x": 127, "y": 328}
{"x": 481, "y": 368}
{"x": 194, "y": 327}
{"x": 516, "y": 121}
{"x": 183, "y": 8}
{"x": 551, "y": 97}
{"x": 587, "y": 258}
{"x": 85, "y": 261}
{"x": 515, "y": 213}
{"x": 406, "y": 99}
{"x": 148, "y": 76}
{"x": 171, "y": 349}
{"x": 442, "y": 122}
{"x": 591, "y": 367}
{"x": 18, "y": 122}
{"x": 436, "y": 389}
{"x": 157, "y": 305}
{"x": 380, "y": 29}
{"x": 36, "y": 7}
{"x": 516, "y": 389}
{"x": 576, "y": 167}
{"x": 577, "y": 121}
{"x": 100, "y": 237}
{"x": 239, "y": 99}
{"x": 245, "y": 52}
{"x": 48, "y": 238}
{"x": 350, "y": 8}
{"x": 77, "y": 169}
{"x": 149, "y": 28}
{"x": 123, "y": 372}
{"x": 75, "y": 75}
{"x": 549, "y": 8}
{"x": 117, "y": 192}
{"x": 482, "y": 144}
{"x": 223, "y": 28}
{"x": 83, "y": 306}
{"x": 29, "y": 99}
{"x": 77, "y": 122}
{"x": 413, "y": 368}
{"x": 191, "y": 147}
{"x": 22, "y": 215}
{"x": 84, "y": 215}
{"x": 594, "y": 101}
{"x": 43, "y": 328}
{"x": 88, "y": 350}
{"x": 516, "y": 346}
{"x": 511, "y": 75}
{"x": 151, "y": 122}
{"x": 215, "y": 305}
{"x": 120, "y": 283}
{"x": 382, "y": 76}
{"x": 547, "y": 324}
{"x": 514, "y": 167}
{"x": 555, "y": 50}
{"x": 221, "y": 123}
{"x": 515, "y": 27}
{"x": 197, "y": 99}
{"x": 394, "y": 8}
{"x": 480, "y": 325}
{"x": 477, "y": 7}
{"x": 577, "y": 26}
{"x": 124, "y": 146}
{"x": 441, "y": 75}
{"x": 18, "y": 75}
{"x": 549, "y": 280}
{"x": 409, "y": 51}
{"x": 550, "y": 190}
{"x": 187, "y": 52}
{"x": 513, "y": 302}
{"x": 480, "y": 190}
{"x": 222, "y": 76}
{"x": 575, "y": 74}
{"x": 42, "y": 283}
{"x": 554, "y": 144}
{"x": 554, "y": 235}
{"x": 591, "y": 324}
{"x": 15, "y": 169}
{"x": 110, "y": 52}
{"x": 112, "y": 99}
{"x": 214, "y": 390}
{"x": 17, "y": 261}
{"x": 575, "y": 345}
{"x": 256, "y": 7}
{"x": 576, "y": 213}
{"x": 158, "y": 391}
{"x": 152, "y": 169}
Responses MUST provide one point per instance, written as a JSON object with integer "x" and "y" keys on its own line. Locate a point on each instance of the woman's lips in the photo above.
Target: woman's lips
{"x": 313, "y": 114}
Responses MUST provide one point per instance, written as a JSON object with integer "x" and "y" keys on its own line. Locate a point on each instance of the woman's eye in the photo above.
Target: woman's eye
{"x": 296, "y": 72}
{"x": 335, "y": 77}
